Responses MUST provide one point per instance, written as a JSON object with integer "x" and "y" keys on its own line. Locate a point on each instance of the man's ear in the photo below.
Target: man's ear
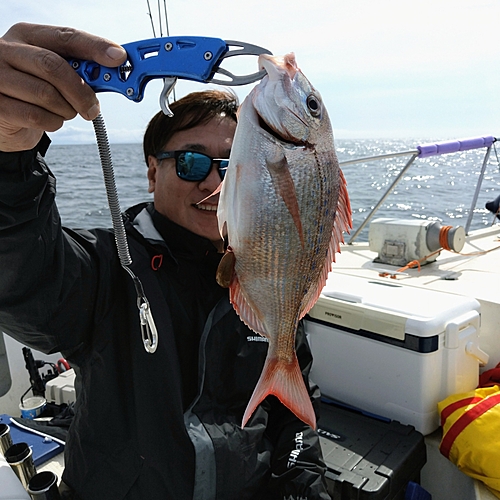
{"x": 152, "y": 172}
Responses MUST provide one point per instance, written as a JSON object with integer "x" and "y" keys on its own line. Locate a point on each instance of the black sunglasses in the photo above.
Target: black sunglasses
{"x": 193, "y": 166}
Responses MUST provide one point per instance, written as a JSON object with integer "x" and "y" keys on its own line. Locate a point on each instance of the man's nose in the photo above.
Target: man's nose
{"x": 213, "y": 179}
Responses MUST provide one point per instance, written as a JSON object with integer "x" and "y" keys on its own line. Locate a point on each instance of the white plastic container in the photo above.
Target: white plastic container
{"x": 61, "y": 389}
{"x": 393, "y": 350}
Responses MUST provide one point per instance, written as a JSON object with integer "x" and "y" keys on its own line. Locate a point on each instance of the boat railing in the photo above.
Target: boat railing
{"x": 424, "y": 151}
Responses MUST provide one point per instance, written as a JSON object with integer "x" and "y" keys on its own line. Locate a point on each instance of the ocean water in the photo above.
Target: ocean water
{"x": 437, "y": 188}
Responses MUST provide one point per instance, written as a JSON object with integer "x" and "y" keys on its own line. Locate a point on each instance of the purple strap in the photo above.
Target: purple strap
{"x": 442, "y": 148}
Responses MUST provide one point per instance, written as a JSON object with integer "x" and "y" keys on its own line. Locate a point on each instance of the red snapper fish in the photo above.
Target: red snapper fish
{"x": 283, "y": 207}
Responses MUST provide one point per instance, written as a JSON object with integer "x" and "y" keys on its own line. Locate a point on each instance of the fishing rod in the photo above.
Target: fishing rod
{"x": 159, "y": 18}
{"x": 167, "y": 84}
{"x": 151, "y": 18}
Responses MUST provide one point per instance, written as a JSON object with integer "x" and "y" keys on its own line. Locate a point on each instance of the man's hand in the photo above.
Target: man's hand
{"x": 39, "y": 90}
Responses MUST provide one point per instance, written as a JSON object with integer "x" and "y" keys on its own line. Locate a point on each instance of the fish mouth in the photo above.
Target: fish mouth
{"x": 274, "y": 133}
{"x": 275, "y": 65}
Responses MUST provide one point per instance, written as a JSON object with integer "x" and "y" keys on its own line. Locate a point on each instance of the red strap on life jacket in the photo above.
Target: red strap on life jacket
{"x": 456, "y": 405}
{"x": 464, "y": 420}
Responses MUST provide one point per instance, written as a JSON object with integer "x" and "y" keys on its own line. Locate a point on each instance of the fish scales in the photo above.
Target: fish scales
{"x": 278, "y": 206}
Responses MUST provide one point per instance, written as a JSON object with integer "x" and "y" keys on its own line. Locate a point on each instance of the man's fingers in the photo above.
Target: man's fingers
{"x": 69, "y": 42}
{"x": 44, "y": 78}
{"x": 18, "y": 114}
{"x": 22, "y": 124}
{"x": 33, "y": 90}
{"x": 42, "y": 50}
{"x": 38, "y": 88}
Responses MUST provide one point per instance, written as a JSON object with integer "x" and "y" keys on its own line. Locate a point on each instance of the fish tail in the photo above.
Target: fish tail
{"x": 283, "y": 380}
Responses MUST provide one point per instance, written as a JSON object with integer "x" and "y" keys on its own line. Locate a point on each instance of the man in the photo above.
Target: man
{"x": 163, "y": 425}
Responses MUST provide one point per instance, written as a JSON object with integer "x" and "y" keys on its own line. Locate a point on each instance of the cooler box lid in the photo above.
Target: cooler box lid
{"x": 388, "y": 308}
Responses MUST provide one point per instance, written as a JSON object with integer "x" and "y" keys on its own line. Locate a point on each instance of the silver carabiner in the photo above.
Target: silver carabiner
{"x": 148, "y": 328}
{"x": 149, "y": 332}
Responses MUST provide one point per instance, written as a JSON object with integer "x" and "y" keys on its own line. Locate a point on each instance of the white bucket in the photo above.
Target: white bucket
{"x": 32, "y": 407}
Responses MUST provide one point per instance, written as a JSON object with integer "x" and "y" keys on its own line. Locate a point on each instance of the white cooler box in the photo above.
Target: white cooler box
{"x": 393, "y": 350}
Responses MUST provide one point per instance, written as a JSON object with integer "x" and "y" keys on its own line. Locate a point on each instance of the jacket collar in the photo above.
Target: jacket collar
{"x": 143, "y": 224}
{"x": 158, "y": 230}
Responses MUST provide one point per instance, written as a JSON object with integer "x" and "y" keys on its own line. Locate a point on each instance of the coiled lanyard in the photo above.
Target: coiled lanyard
{"x": 149, "y": 332}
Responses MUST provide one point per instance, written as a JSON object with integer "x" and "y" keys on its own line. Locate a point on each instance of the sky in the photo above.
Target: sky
{"x": 426, "y": 69}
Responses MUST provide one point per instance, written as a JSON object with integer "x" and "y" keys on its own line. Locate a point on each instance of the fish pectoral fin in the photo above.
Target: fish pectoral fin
{"x": 283, "y": 380}
{"x": 285, "y": 188}
{"x": 245, "y": 310}
{"x": 225, "y": 270}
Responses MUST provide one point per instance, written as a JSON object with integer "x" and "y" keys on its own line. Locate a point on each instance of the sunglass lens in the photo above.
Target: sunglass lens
{"x": 223, "y": 168}
{"x": 193, "y": 166}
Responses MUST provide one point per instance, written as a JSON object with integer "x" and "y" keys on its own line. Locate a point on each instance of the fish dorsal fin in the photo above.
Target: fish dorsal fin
{"x": 285, "y": 188}
{"x": 343, "y": 223}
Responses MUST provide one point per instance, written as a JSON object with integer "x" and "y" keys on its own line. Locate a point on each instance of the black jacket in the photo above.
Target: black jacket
{"x": 143, "y": 428}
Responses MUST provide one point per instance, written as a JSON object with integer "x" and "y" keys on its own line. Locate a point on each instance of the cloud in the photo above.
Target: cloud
{"x": 85, "y": 135}
{"x": 73, "y": 135}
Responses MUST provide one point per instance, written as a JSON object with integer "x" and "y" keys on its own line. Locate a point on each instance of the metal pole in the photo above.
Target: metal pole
{"x": 478, "y": 187}
{"x": 378, "y": 157}
{"x": 386, "y": 194}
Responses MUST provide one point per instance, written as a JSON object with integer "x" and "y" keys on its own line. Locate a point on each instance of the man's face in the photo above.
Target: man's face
{"x": 177, "y": 199}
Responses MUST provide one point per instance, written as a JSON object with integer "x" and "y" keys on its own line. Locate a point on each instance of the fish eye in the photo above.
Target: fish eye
{"x": 313, "y": 105}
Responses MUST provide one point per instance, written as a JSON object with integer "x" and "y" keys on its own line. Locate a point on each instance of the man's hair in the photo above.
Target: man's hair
{"x": 197, "y": 108}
